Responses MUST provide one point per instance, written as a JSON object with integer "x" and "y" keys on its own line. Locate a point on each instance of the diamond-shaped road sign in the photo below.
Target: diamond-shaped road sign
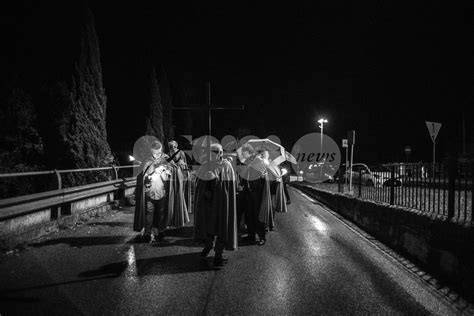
{"x": 433, "y": 129}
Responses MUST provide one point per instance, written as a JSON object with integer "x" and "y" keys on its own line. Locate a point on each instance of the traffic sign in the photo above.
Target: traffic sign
{"x": 433, "y": 129}
{"x": 344, "y": 143}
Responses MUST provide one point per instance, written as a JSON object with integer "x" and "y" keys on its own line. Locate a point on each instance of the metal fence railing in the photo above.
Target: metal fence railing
{"x": 59, "y": 199}
{"x": 442, "y": 189}
{"x": 100, "y": 174}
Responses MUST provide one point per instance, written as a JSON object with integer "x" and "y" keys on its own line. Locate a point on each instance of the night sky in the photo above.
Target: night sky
{"x": 378, "y": 67}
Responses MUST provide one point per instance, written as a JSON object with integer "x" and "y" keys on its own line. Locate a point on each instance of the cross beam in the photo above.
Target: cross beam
{"x": 210, "y": 108}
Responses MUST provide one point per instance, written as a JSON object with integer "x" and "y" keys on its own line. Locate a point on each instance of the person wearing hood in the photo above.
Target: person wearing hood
{"x": 159, "y": 202}
{"x": 177, "y": 156}
{"x": 215, "y": 222}
{"x": 273, "y": 197}
{"x": 253, "y": 180}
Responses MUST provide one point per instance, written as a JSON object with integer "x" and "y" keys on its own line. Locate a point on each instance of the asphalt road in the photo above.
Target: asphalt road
{"x": 313, "y": 263}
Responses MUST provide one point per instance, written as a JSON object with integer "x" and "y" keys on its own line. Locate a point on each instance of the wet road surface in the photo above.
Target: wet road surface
{"x": 313, "y": 263}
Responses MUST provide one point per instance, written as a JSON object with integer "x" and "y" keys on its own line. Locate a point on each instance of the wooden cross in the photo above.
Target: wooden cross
{"x": 210, "y": 108}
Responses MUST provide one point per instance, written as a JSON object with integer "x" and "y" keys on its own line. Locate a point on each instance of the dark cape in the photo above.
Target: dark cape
{"x": 278, "y": 195}
{"x": 215, "y": 203}
{"x": 177, "y": 209}
{"x": 188, "y": 189}
{"x": 177, "y": 212}
{"x": 179, "y": 158}
{"x": 266, "y": 214}
{"x": 280, "y": 203}
{"x": 273, "y": 198}
{"x": 278, "y": 199}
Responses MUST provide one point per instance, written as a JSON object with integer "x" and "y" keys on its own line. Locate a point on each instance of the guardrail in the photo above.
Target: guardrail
{"x": 23, "y": 205}
{"x": 16, "y": 212}
{"x": 59, "y": 172}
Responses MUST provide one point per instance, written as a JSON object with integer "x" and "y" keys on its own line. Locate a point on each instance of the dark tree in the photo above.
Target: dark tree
{"x": 21, "y": 146}
{"x": 73, "y": 98}
{"x": 154, "y": 119}
{"x": 167, "y": 103}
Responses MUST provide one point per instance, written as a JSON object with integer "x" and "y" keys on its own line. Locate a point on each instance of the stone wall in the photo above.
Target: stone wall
{"x": 22, "y": 229}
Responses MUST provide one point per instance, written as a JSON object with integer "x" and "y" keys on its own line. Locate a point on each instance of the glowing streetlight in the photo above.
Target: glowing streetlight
{"x": 321, "y": 122}
{"x": 132, "y": 159}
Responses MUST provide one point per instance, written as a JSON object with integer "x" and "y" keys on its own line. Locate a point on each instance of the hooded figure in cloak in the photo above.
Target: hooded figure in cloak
{"x": 215, "y": 206}
{"x": 179, "y": 158}
{"x": 254, "y": 180}
{"x": 159, "y": 201}
{"x": 274, "y": 200}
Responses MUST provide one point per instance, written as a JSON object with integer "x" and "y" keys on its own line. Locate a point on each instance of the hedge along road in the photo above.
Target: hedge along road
{"x": 313, "y": 263}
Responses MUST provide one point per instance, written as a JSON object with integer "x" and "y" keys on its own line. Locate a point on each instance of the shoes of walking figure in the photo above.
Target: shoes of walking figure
{"x": 252, "y": 240}
{"x": 218, "y": 246}
{"x": 157, "y": 238}
{"x": 256, "y": 238}
{"x": 149, "y": 237}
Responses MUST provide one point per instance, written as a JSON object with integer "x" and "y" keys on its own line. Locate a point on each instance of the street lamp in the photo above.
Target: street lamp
{"x": 132, "y": 159}
{"x": 321, "y": 122}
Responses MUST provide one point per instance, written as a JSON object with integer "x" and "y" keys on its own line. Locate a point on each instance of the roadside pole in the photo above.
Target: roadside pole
{"x": 351, "y": 141}
{"x": 433, "y": 129}
{"x": 342, "y": 171}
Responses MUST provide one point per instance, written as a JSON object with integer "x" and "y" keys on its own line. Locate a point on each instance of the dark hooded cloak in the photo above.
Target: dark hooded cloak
{"x": 215, "y": 203}
{"x": 177, "y": 212}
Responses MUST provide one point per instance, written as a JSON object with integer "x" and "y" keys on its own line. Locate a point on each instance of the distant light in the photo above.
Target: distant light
{"x": 301, "y": 172}
{"x": 284, "y": 171}
{"x": 323, "y": 120}
{"x": 131, "y": 158}
{"x": 310, "y": 166}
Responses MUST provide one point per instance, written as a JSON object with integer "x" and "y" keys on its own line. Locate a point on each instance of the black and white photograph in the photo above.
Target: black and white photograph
{"x": 236, "y": 158}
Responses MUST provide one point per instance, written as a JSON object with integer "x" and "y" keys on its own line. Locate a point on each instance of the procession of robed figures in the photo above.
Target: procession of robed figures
{"x": 236, "y": 196}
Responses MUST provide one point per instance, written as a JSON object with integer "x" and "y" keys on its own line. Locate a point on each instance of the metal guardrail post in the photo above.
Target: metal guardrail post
{"x": 360, "y": 182}
{"x": 452, "y": 168}
{"x": 392, "y": 185}
{"x": 58, "y": 176}
{"x": 116, "y": 172}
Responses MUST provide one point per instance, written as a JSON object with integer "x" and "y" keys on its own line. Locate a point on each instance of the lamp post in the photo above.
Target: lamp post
{"x": 133, "y": 159}
{"x": 321, "y": 122}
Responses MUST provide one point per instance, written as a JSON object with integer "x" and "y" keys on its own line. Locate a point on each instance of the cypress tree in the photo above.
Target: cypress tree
{"x": 154, "y": 119}
{"x": 74, "y": 99}
{"x": 166, "y": 100}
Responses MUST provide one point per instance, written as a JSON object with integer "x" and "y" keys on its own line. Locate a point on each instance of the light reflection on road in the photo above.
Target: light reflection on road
{"x": 131, "y": 271}
{"x": 319, "y": 225}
